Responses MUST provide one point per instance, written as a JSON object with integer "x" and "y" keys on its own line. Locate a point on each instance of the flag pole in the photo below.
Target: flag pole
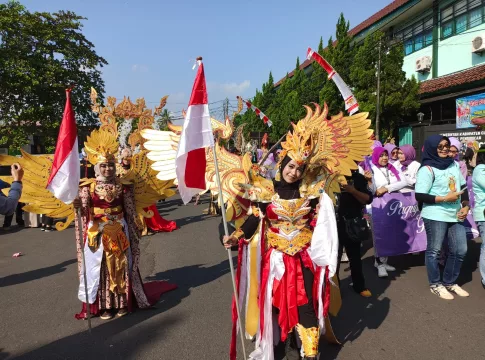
{"x": 231, "y": 264}
{"x": 81, "y": 243}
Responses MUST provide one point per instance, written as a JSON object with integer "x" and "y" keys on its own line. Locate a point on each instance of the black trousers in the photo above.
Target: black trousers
{"x": 47, "y": 221}
{"x": 352, "y": 248}
{"x": 306, "y": 316}
{"x": 19, "y": 213}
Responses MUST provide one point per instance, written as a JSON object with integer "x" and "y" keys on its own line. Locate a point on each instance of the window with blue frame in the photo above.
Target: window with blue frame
{"x": 461, "y": 16}
{"x": 416, "y": 36}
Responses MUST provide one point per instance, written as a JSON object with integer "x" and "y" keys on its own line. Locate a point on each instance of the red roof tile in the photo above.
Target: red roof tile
{"x": 362, "y": 26}
{"x": 470, "y": 75}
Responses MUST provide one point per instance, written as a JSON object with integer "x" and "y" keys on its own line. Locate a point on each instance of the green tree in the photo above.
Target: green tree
{"x": 163, "y": 120}
{"x": 41, "y": 54}
{"x": 398, "y": 96}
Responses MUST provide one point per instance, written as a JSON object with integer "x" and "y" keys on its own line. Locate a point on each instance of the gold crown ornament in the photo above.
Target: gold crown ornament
{"x": 101, "y": 147}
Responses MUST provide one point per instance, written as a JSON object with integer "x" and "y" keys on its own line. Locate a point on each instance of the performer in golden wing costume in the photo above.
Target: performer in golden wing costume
{"x": 287, "y": 249}
{"x": 112, "y": 209}
{"x": 112, "y": 214}
{"x": 287, "y": 246}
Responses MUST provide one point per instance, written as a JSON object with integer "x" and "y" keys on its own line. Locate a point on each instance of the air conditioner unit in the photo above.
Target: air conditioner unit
{"x": 423, "y": 64}
{"x": 478, "y": 44}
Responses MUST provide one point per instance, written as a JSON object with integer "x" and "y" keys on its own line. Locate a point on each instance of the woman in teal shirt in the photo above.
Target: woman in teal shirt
{"x": 478, "y": 181}
{"x": 441, "y": 188}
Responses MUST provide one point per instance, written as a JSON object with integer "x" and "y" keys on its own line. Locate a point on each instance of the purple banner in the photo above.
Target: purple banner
{"x": 398, "y": 227}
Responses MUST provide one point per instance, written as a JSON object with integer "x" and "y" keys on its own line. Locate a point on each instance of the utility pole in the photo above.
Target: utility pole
{"x": 378, "y": 109}
{"x": 226, "y": 109}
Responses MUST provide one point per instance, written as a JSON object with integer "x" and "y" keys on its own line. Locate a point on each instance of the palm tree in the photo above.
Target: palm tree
{"x": 165, "y": 117}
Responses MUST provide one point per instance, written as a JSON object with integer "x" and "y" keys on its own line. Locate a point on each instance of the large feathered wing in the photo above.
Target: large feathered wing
{"x": 148, "y": 188}
{"x": 37, "y": 198}
{"x": 162, "y": 151}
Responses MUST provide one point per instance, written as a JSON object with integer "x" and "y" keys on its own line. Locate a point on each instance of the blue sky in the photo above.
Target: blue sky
{"x": 150, "y": 45}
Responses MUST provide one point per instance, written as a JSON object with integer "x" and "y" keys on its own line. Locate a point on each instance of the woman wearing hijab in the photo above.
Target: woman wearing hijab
{"x": 441, "y": 188}
{"x": 111, "y": 233}
{"x": 392, "y": 152}
{"x": 386, "y": 178}
{"x": 409, "y": 166}
{"x": 454, "y": 153}
{"x": 478, "y": 181}
{"x": 293, "y": 297}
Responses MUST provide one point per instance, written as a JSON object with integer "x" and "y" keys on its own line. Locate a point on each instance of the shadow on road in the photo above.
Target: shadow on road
{"x": 108, "y": 340}
{"x": 3, "y": 355}
{"x": 16, "y": 279}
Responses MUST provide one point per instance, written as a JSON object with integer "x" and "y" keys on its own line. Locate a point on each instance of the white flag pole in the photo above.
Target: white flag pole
{"x": 231, "y": 264}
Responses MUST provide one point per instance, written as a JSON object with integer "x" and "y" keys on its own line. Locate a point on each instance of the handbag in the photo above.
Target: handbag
{"x": 356, "y": 228}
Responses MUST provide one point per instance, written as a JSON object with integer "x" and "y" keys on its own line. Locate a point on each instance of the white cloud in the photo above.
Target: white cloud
{"x": 229, "y": 89}
{"x": 139, "y": 68}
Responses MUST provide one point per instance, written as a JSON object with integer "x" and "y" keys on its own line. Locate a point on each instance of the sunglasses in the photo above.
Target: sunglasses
{"x": 444, "y": 147}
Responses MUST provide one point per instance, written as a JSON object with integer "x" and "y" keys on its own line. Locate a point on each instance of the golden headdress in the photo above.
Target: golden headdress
{"x": 333, "y": 145}
{"x": 101, "y": 147}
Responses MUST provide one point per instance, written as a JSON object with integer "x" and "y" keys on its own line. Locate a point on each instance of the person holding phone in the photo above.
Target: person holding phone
{"x": 8, "y": 204}
{"x": 441, "y": 189}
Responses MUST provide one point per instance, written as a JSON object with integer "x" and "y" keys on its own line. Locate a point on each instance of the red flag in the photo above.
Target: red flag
{"x": 196, "y": 136}
{"x": 65, "y": 173}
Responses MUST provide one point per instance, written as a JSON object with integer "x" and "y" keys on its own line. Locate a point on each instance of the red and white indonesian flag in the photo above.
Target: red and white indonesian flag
{"x": 65, "y": 173}
{"x": 196, "y": 135}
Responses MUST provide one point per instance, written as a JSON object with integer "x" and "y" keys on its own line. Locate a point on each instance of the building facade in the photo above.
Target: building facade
{"x": 444, "y": 47}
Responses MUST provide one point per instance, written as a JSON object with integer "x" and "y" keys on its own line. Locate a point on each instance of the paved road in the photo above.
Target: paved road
{"x": 403, "y": 320}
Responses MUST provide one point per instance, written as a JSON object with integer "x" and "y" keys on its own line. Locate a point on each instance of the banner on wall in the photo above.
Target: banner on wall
{"x": 470, "y": 111}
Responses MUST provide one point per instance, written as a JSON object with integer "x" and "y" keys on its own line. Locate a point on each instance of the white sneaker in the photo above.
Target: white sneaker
{"x": 381, "y": 271}
{"x": 389, "y": 267}
{"x": 441, "y": 291}
{"x": 345, "y": 258}
{"x": 457, "y": 290}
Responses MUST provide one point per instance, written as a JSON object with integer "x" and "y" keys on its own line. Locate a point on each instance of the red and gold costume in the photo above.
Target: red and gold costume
{"x": 287, "y": 248}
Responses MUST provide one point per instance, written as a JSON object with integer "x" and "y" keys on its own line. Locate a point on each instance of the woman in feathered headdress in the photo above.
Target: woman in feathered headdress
{"x": 111, "y": 232}
{"x": 289, "y": 243}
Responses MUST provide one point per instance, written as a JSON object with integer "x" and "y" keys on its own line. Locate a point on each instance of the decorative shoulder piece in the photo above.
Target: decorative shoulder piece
{"x": 309, "y": 338}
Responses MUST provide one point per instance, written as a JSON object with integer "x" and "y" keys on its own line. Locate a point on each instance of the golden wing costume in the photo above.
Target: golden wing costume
{"x": 37, "y": 198}
{"x": 286, "y": 245}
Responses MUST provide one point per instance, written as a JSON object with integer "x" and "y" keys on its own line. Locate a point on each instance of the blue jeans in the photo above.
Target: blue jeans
{"x": 436, "y": 232}
{"x": 481, "y": 228}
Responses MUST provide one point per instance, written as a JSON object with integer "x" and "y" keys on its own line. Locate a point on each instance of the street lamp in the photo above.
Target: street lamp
{"x": 420, "y": 117}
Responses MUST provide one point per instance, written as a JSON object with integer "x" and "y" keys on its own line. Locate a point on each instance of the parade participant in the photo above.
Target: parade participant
{"x": 441, "y": 188}
{"x": 392, "y": 152}
{"x": 156, "y": 223}
{"x": 455, "y": 154}
{"x": 409, "y": 166}
{"x": 386, "y": 179}
{"x": 478, "y": 181}
{"x": 291, "y": 231}
{"x": 111, "y": 232}
{"x": 350, "y": 222}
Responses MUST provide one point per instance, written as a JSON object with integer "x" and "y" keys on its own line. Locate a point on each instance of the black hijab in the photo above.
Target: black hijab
{"x": 285, "y": 190}
{"x": 430, "y": 153}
